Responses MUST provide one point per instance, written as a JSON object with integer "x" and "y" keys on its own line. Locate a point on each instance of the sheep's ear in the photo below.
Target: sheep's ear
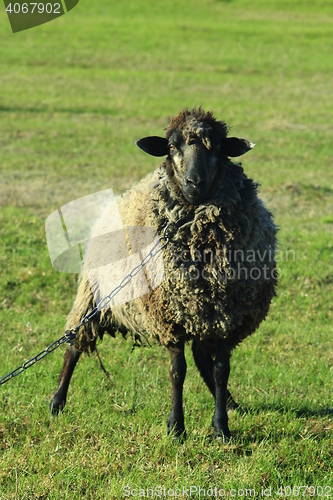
{"x": 153, "y": 145}
{"x": 234, "y": 146}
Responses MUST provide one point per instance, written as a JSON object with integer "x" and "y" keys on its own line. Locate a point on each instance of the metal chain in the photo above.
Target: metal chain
{"x": 70, "y": 335}
{"x": 27, "y": 364}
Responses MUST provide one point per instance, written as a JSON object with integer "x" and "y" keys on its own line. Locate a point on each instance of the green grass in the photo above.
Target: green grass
{"x": 75, "y": 95}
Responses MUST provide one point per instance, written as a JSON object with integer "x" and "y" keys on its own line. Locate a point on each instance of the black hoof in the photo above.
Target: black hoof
{"x": 221, "y": 429}
{"x": 178, "y": 434}
{"x": 176, "y": 429}
{"x": 223, "y": 437}
{"x": 56, "y": 405}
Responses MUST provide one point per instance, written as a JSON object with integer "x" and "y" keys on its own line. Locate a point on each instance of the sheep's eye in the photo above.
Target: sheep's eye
{"x": 172, "y": 148}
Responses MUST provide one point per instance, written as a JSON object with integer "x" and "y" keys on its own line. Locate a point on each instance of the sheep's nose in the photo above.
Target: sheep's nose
{"x": 195, "y": 181}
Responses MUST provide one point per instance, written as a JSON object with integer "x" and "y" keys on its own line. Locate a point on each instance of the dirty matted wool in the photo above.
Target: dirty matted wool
{"x": 220, "y": 273}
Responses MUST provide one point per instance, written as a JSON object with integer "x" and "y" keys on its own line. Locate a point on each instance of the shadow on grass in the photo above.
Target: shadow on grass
{"x": 78, "y": 110}
{"x": 302, "y": 412}
{"x": 245, "y": 438}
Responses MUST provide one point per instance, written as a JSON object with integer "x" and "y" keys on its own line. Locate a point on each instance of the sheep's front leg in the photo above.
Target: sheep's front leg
{"x": 221, "y": 372}
{"x": 58, "y": 401}
{"x": 177, "y": 377}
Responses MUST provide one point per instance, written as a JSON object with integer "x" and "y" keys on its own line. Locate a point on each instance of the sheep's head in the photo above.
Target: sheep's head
{"x": 197, "y": 146}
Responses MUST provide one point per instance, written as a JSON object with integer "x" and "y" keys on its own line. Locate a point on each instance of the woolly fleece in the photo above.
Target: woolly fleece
{"x": 220, "y": 274}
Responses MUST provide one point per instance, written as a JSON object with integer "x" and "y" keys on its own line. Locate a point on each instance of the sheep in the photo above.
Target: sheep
{"x": 220, "y": 269}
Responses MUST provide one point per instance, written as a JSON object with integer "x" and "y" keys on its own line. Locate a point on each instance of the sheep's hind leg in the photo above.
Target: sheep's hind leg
{"x": 205, "y": 365}
{"x": 58, "y": 401}
{"x": 177, "y": 377}
{"x": 221, "y": 372}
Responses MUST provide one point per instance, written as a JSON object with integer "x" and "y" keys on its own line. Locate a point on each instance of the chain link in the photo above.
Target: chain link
{"x": 70, "y": 335}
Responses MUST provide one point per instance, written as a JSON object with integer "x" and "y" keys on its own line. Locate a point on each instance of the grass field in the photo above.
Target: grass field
{"x": 75, "y": 95}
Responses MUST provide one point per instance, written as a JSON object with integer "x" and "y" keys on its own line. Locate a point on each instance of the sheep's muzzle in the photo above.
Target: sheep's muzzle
{"x": 200, "y": 166}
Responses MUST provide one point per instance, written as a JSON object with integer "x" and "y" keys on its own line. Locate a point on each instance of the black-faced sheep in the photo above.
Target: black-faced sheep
{"x": 220, "y": 273}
